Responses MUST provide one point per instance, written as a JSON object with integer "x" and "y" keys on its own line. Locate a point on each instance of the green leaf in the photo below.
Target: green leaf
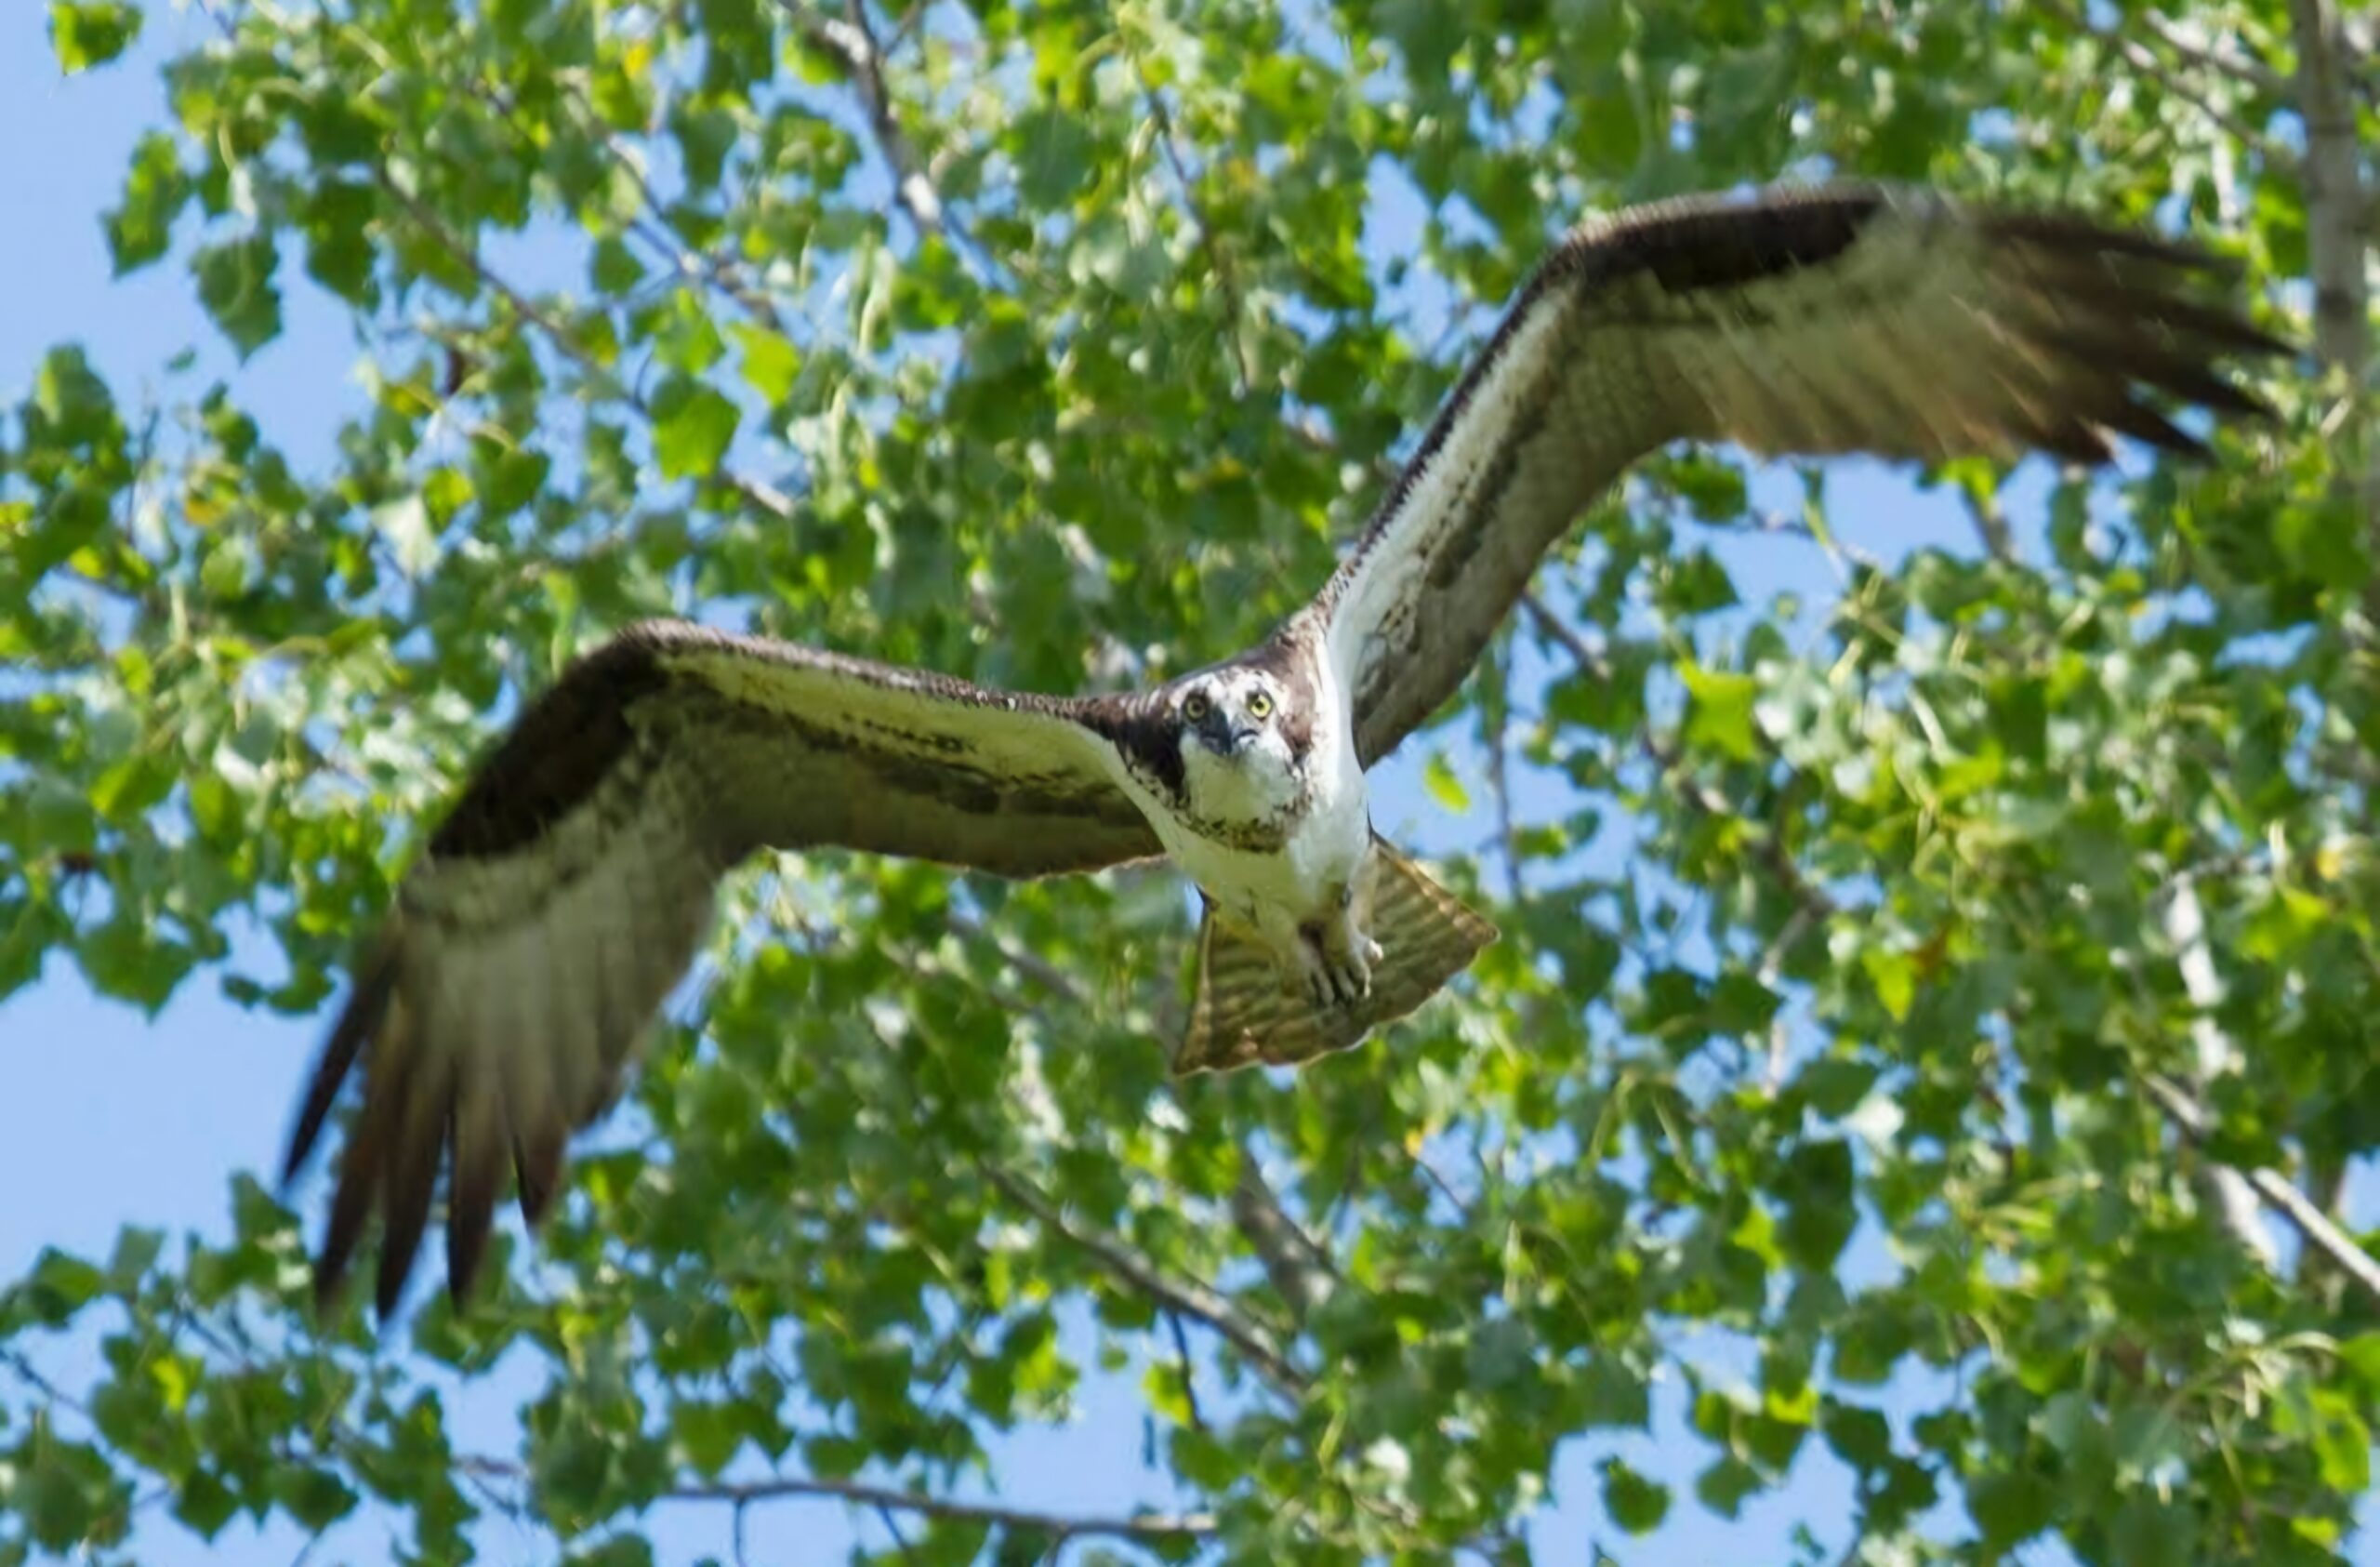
{"x": 71, "y": 398}
{"x": 770, "y": 362}
{"x": 132, "y": 786}
{"x": 2360, "y": 1354}
{"x": 204, "y": 1503}
{"x": 708, "y": 1434}
{"x": 89, "y": 32}
{"x": 2010, "y": 1508}
{"x": 58, "y": 820}
{"x": 235, "y": 285}
{"x": 620, "y": 1550}
{"x": 1723, "y": 1486}
{"x": 704, "y": 137}
{"x": 315, "y": 1498}
{"x": 2342, "y": 1443}
{"x": 127, "y": 960}
{"x": 61, "y": 1285}
{"x": 1835, "y": 1087}
{"x": 1895, "y": 976}
{"x": 1820, "y": 1212}
{"x": 506, "y": 479}
{"x": 1720, "y": 716}
{"x": 692, "y": 427}
{"x": 614, "y": 269}
{"x": 1612, "y": 1393}
{"x": 337, "y": 217}
{"x": 141, "y": 226}
{"x": 404, "y": 523}
{"x": 1054, "y": 154}
{"x": 136, "y": 1253}
{"x": 1636, "y": 1503}
{"x": 67, "y": 1495}
{"x": 1438, "y": 778}
{"x": 1859, "y": 1436}
{"x": 1429, "y": 33}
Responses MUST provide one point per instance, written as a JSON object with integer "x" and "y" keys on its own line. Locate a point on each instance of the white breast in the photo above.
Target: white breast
{"x": 1274, "y": 893}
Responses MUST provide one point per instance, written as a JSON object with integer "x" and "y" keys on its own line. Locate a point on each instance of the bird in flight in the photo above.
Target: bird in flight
{"x": 570, "y": 884}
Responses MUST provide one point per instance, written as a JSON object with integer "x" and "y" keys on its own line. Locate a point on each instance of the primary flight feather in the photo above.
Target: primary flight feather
{"x": 569, "y": 886}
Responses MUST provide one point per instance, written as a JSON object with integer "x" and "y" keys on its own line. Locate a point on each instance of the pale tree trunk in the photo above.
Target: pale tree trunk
{"x": 2342, "y": 221}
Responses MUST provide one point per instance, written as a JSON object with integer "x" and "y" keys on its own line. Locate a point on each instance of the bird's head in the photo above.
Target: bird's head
{"x": 1234, "y": 726}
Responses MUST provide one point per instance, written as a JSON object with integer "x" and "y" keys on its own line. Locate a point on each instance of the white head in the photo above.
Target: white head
{"x": 1243, "y": 740}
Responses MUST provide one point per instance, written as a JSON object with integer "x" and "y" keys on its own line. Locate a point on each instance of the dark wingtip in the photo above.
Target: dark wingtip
{"x": 2073, "y": 232}
{"x": 349, "y": 1204}
{"x": 536, "y": 1159}
{"x": 366, "y": 1006}
{"x": 474, "y": 1182}
{"x": 406, "y": 1187}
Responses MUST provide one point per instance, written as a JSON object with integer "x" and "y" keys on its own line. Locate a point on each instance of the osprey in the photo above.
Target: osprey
{"x": 567, "y": 890}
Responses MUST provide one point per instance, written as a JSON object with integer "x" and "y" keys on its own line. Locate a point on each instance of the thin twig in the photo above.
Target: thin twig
{"x": 1188, "y": 1370}
{"x": 1193, "y": 1300}
{"x": 1298, "y": 1267}
{"x": 767, "y": 497}
{"x": 1769, "y": 850}
{"x": 1049, "y": 975}
{"x": 851, "y": 40}
{"x": 892, "y": 1522}
{"x": 1496, "y": 716}
{"x": 2248, "y": 72}
{"x": 2303, "y": 1213}
{"x": 2143, "y": 59}
{"x": 1134, "y": 1526}
{"x": 1991, "y": 523}
{"x": 1227, "y": 277}
{"x": 2185, "y": 923}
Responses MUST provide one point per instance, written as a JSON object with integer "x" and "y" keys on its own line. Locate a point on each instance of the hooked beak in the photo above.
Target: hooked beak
{"x": 1217, "y": 734}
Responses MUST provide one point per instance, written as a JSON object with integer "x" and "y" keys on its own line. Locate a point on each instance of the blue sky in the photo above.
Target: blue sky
{"x": 110, "y": 1119}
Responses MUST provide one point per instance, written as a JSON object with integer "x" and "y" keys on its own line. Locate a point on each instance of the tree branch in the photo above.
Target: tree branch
{"x": 1293, "y": 1261}
{"x": 2300, "y": 1210}
{"x": 1808, "y": 895}
{"x": 2251, "y": 73}
{"x": 2186, "y": 928}
{"x": 2337, "y": 210}
{"x": 2143, "y": 59}
{"x": 1192, "y": 1300}
{"x": 1227, "y": 277}
{"x": 2197, "y": 974}
{"x": 1991, "y": 523}
{"x": 1496, "y": 716}
{"x": 1049, "y": 975}
{"x": 852, "y": 42}
{"x": 744, "y": 1494}
{"x": 768, "y": 498}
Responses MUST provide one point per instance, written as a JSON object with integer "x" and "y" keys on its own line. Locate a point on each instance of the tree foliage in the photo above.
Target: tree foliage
{"x": 1866, "y": 965}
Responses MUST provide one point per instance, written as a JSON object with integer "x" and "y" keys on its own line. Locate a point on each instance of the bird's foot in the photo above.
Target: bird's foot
{"x": 1336, "y": 964}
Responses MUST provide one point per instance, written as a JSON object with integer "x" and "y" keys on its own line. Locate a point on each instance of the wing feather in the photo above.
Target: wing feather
{"x": 1839, "y": 319}
{"x": 572, "y": 884}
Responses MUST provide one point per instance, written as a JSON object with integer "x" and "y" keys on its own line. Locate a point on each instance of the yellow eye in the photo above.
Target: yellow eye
{"x": 1260, "y": 706}
{"x": 1194, "y": 709}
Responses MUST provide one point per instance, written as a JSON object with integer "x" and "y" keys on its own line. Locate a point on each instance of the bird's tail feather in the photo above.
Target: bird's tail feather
{"x": 1246, "y": 1009}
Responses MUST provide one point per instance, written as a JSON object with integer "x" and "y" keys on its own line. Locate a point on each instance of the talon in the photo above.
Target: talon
{"x": 1337, "y": 965}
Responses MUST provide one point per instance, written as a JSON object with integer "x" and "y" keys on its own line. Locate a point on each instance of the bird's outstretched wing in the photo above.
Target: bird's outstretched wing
{"x": 571, "y": 885}
{"x": 1836, "y": 319}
